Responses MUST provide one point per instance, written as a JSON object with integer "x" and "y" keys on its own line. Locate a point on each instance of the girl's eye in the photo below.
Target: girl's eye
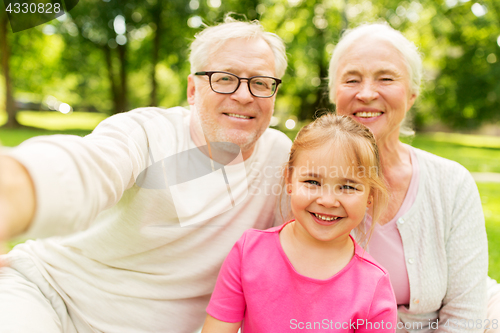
{"x": 312, "y": 182}
{"x": 349, "y": 187}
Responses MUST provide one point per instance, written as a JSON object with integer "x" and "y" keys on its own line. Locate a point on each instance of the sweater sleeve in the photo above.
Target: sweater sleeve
{"x": 383, "y": 313}
{"x": 467, "y": 255}
{"x": 76, "y": 178}
{"x": 228, "y": 300}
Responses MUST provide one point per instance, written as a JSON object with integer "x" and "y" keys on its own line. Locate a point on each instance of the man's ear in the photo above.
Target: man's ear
{"x": 191, "y": 89}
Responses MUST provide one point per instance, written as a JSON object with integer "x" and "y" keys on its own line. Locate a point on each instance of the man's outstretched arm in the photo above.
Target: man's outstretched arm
{"x": 17, "y": 198}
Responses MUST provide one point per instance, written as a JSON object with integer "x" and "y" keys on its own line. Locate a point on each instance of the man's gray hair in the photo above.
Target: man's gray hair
{"x": 385, "y": 32}
{"x": 211, "y": 39}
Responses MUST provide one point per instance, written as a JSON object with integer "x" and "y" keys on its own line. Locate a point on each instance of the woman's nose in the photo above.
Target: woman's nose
{"x": 367, "y": 92}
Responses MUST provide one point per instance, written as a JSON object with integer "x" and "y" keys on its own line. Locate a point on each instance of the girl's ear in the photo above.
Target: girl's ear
{"x": 370, "y": 201}
{"x": 287, "y": 176}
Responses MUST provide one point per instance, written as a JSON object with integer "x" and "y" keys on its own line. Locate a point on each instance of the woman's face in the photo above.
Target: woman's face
{"x": 373, "y": 87}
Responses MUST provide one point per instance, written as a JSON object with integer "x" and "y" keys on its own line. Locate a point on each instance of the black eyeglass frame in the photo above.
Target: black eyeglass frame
{"x": 210, "y": 73}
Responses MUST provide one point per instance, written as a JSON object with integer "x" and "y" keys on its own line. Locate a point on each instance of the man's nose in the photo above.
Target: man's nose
{"x": 242, "y": 94}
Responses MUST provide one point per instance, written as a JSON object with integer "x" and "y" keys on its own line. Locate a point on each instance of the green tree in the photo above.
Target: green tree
{"x": 10, "y": 106}
{"x": 467, "y": 89}
{"x": 103, "y": 25}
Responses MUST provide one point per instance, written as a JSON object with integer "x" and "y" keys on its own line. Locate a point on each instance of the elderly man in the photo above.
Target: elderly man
{"x": 135, "y": 219}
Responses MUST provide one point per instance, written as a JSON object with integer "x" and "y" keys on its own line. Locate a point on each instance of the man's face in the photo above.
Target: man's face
{"x": 239, "y": 118}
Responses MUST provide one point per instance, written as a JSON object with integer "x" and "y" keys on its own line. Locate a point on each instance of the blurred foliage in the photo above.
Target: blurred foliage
{"x": 112, "y": 55}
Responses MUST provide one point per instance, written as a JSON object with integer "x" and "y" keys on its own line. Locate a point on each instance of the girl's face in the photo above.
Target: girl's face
{"x": 328, "y": 198}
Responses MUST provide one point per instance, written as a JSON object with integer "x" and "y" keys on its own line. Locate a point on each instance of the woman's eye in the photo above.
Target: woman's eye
{"x": 387, "y": 79}
{"x": 352, "y": 81}
{"x": 312, "y": 182}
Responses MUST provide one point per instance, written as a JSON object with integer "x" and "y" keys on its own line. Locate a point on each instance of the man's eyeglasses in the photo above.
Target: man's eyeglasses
{"x": 228, "y": 83}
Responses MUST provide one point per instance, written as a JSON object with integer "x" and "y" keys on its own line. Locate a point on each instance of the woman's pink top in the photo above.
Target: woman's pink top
{"x": 258, "y": 284}
{"x": 386, "y": 245}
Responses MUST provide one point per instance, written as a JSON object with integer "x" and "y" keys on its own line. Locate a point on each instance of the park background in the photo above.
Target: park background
{"x": 109, "y": 56}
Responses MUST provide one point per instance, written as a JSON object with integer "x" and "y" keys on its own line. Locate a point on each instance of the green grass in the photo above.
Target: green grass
{"x": 483, "y": 158}
{"x": 56, "y": 121}
{"x": 476, "y": 153}
{"x": 47, "y": 123}
{"x": 13, "y": 137}
{"x": 490, "y": 197}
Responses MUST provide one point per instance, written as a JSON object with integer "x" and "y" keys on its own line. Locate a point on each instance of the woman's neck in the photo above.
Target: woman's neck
{"x": 396, "y": 166}
{"x": 393, "y": 154}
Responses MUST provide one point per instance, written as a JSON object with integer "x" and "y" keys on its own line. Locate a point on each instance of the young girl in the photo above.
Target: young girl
{"x": 309, "y": 274}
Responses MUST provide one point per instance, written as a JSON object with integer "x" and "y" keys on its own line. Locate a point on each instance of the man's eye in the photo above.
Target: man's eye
{"x": 262, "y": 84}
{"x": 223, "y": 79}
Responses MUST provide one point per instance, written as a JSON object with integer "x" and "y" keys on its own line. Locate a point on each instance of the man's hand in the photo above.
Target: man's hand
{"x": 17, "y": 200}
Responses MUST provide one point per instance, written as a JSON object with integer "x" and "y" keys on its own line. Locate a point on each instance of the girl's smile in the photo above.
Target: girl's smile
{"x": 326, "y": 219}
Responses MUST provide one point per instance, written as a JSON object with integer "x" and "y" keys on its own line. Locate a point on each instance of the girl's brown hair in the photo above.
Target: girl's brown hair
{"x": 358, "y": 145}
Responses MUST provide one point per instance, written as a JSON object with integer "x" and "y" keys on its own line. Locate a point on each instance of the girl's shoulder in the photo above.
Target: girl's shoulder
{"x": 370, "y": 265}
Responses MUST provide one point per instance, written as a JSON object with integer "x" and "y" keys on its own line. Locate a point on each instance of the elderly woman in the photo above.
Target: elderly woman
{"x": 432, "y": 237}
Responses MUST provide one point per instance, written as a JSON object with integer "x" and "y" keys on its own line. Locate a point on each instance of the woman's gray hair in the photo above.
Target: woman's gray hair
{"x": 209, "y": 41}
{"x": 385, "y": 32}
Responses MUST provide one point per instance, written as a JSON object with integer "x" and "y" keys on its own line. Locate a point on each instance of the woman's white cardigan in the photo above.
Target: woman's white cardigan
{"x": 446, "y": 249}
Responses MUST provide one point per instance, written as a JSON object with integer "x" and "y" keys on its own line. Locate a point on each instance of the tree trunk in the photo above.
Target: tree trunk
{"x": 112, "y": 82}
{"x": 10, "y": 105}
{"x": 118, "y": 90}
{"x": 156, "y": 49}
{"x": 122, "y": 96}
{"x": 322, "y": 100}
